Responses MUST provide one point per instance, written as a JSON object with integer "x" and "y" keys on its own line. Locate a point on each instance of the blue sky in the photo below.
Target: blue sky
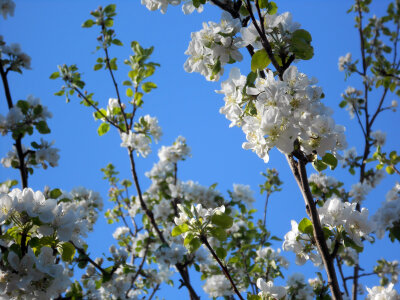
{"x": 185, "y": 104}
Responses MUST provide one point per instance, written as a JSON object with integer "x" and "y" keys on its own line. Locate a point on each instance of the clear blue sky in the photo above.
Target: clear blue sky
{"x": 50, "y": 32}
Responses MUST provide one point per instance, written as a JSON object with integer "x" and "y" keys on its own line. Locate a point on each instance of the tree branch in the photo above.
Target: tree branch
{"x": 204, "y": 240}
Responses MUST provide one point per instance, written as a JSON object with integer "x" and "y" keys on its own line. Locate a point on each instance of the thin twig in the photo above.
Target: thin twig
{"x": 18, "y": 142}
{"x": 224, "y": 269}
{"x": 339, "y": 264}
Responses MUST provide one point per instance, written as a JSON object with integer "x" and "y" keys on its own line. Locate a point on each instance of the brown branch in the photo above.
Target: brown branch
{"x": 339, "y": 264}
{"x": 154, "y": 291}
{"x": 18, "y": 144}
{"x": 96, "y": 265}
{"x": 378, "y": 110}
{"x": 103, "y": 27}
{"x": 299, "y": 171}
{"x": 97, "y": 109}
{"x": 264, "y": 40}
{"x": 139, "y": 270}
{"x": 361, "y": 275}
{"x": 150, "y": 215}
{"x": 204, "y": 240}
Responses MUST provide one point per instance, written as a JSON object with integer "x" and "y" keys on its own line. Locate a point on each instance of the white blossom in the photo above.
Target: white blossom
{"x": 213, "y": 47}
{"x": 389, "y": 212}
{"x": 218, "y": 286}
{"x": 268, "y": 289}
{"x": 382, "y": 293}
{"x": 343, "y": 61}
{"x": 136, "y": 141}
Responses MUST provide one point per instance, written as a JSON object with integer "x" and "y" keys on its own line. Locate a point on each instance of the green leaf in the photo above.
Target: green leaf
{"x": 42, "y": 127}
{"x": 330, "y": 160}
{"x": 272, "y": 8}
{"x": 148, "y": 86}
{"x": 189, "y": 237}
{"x": 260, "y": 60}
{"x": 129, "y": 92}
{"x": 54, "y": 194}
{"x": 23, "y": 105}
{"x": 219, "y": 233}
{"x": 389, "y": 170}
{"x": 88, "y": 23}
{"x": 117, "y": 42}
{"x": 263, "y": 3}
{"x": 193, "y": 245}
{"x": 342, "y": 104}
{"x": 251, "y": 77}
{"x": 98, "y": 115}
{"x": 59, "y": 93}
{"x": 301, "y": 44}
{"x": 138, "y": 99}
{"x": 55, "y": 75}
{"x": 103, "y": 129}
{"x": 109, "y": 22}
{"x": 222, "y": 220}
{"x": 67, "y": 251}
{"x": 113, "y": 64}
{"x": 253, "y": 297}
{"x": 127, "y": 83}
{"x": 97, "y": 67}
{"x": 319, "y": 165}
{"x": 178, "y": 230}
{"x": 110, "y": 8}
{"x": 221, "y": 252}
{"x": 305, "y": 226}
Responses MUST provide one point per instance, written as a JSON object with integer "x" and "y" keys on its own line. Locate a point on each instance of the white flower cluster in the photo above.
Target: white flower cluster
{"x": 218, "y": 286}
{"x": 386, "y": 269}
{"x": 283, "y": 112}
{"x": 359, "y": 191}
{"x": 213, "y": 47}
{"x": 196, "y": 193}
{"x": 344, "y": 61}
{"x": 301, "y": 245}
{"x": 170, "y": 255}
{"x": 389, "y": 212}
{"x": 68, "y": 221}
{"x": 140, "y": 140}
{"x": 349, "y": 156}
{"x": 15, "y": 118}
{"x": 349, "y": 255}
{"x": 269, "y": 290}
{"x": 242, "y": 193}
{"x": 379, "y": 138}
{"x": 46, "y": 153}
{"x": 86, "y": 203}
{"x": 336, "y": 213}
{"x": 323, "y": 182}
{"x": 383, "y": 293}
{"x": 11, "y": 157}
{"x": 16, "y": 58}
{"x": 119, "y": 287}
{"x": 33, "y": 273}
{"x": 136, "y": 141}
{"x": 33, "y": 276}
{"x": 163, "y": 170}
{"x": 298, "y": 288}
{"x": 278, "y": 28}
{"x": 197, "y": 212}
{"x": 7, "y": 7}
{"x": 162, "y": 5}
{"x": 269, "y": 254}
{"x": 352, "y": 97}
